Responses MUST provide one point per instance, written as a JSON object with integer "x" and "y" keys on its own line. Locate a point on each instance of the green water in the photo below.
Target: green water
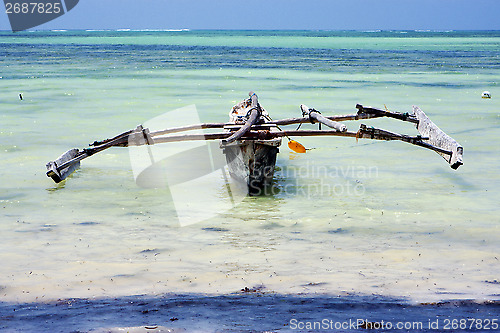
{"x": 365, "y": 218}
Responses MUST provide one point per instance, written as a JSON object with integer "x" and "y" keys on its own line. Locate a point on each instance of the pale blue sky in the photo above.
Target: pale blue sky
{"x": 279, "y": 14}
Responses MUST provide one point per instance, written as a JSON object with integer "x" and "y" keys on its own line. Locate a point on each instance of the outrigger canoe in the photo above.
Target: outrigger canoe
{"x": 251, "y": 139}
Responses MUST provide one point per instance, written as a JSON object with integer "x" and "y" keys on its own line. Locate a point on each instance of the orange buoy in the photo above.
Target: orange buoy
{"x": 296, "y": 147}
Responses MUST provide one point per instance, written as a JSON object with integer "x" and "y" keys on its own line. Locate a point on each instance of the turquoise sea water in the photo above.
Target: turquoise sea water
{"x": 377, "y": 219}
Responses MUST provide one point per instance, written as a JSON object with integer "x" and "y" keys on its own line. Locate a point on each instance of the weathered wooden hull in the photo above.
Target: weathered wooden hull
{"x": 252, "y": 162}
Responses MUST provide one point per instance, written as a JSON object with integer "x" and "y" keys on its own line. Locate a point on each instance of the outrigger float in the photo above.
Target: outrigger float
{"x": 251, "y": 139}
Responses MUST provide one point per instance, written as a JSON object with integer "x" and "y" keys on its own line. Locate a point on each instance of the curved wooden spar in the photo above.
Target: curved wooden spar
{"x": 316, "y": 115}
{"x": 65, "y": 164}
{"x": 252, "y": 119}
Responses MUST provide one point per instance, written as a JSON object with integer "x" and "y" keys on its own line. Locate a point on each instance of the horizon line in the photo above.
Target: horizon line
{"x": 225, "y": 29}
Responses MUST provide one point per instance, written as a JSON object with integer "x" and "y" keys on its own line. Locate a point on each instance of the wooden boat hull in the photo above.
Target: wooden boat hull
{"x": 252, "y": 163}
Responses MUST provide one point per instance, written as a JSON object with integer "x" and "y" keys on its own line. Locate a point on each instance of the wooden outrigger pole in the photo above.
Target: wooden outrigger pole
{"x": 258, "y": 127}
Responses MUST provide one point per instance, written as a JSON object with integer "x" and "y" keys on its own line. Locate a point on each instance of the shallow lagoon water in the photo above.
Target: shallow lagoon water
{"x": 350, "y": 219}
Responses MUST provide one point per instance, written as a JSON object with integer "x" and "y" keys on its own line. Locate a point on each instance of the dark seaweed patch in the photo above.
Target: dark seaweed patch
{"x": 337, "y": 231}
{"x": 217, "y": 229}
{"x": 87, "y": 223}
{"x": 150, "y": 251}
{"x": 492, "y": 281}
